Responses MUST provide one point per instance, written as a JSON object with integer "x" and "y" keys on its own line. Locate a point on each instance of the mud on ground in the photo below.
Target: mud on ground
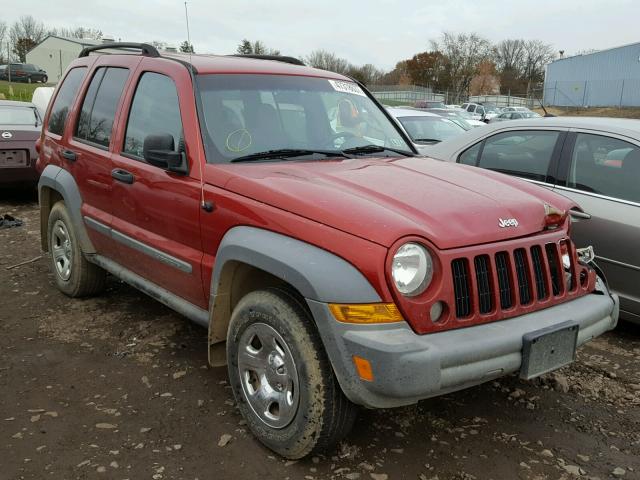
{"x": 117, "y": 387}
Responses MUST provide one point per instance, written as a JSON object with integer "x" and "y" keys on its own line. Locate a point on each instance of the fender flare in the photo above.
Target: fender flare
{"x": 61, "y": 181}
{"x": 315, "y": 273}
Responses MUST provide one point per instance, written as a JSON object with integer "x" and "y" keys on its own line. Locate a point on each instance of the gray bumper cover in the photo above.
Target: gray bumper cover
{"x": 409, "y": 367}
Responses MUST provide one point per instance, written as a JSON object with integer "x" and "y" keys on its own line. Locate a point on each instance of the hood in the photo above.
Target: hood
{"x": 383, "y": 200}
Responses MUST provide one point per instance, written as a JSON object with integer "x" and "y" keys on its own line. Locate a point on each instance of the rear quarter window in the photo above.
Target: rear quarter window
{"x": 64, "y": 99}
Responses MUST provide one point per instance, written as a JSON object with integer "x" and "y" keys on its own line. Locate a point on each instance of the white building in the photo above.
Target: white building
{"x": 54, "y": 54}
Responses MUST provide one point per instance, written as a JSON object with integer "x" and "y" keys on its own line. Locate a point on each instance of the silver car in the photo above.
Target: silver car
{"x": 425, "y": 129}
{"x": 513, "y": 115}
{"x": 594, "y": 161}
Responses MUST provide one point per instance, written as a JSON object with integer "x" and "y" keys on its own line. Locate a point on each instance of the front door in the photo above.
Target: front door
{"x": 602, "y": 175}
{"x": 156, "y": 212}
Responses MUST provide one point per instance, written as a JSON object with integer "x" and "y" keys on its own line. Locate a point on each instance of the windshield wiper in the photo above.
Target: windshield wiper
{"x": 286, "y": 153}
{"x": 426, "y": 140}
{"x": 364, "y": 149}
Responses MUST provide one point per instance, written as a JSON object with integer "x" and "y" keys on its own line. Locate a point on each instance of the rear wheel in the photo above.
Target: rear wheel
{"x": 29, "y": 79}
{"x": 73, "y": 274}
{"x": 281, "y": 377}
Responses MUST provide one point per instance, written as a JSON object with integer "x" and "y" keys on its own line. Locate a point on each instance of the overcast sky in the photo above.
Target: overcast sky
{"x": 381, "y": 32}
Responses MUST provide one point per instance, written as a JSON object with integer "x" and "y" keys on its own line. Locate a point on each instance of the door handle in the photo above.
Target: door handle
{"x": 69, "y": 155}
{"x": 579, "y": 215}
{"x": 122, "y": 176}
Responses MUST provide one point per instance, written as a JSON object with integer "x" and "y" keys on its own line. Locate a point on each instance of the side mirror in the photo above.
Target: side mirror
{"x": 159, "y": 151}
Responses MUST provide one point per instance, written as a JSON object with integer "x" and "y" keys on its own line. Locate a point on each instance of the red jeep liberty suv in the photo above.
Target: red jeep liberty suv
{"x": 282, "y": 208}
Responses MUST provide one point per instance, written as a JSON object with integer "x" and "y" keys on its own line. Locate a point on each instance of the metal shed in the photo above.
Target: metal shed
{"x": 607, "y": 78}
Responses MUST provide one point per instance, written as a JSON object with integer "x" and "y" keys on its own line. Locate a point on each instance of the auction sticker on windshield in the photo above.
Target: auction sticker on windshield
{"x": 346, "y": 87}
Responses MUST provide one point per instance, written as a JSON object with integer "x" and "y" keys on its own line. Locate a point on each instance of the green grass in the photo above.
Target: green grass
{"x": 394, "y": 103}
{"x": 21, "y": 91}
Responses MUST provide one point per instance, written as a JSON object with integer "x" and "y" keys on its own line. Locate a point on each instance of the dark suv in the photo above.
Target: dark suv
{"x": 283, "y": 209}
{"x": 24, "y": 72}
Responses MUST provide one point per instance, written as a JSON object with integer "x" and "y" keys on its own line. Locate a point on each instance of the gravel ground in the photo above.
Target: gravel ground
{"x": 117, "y": 387}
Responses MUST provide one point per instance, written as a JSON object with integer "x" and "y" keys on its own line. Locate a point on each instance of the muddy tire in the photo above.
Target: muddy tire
{"x": 281, "y": 376}
{"x": 73, "y": 274}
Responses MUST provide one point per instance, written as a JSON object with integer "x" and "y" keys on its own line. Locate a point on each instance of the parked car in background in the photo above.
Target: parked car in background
{"x": 24, "y": 72}
{"x": 3, "y": 69}
{"x": 462, "y": 117}
{"x": 503, "y": 117}
{"x": 332, "y": 267}
{"x": 429, "y": 104}
{"x": 426, "y": 128}
{"x": 481, "y": 112}
{"x": 453, "y": 106}
{"x": 20, "y": 126}
{"x": 515, "y": 109}
{"x": 593, "y": 161}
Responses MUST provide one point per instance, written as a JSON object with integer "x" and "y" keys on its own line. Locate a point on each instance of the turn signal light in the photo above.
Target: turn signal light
{"x": 366, "y": 313}
{"x": 365, "y": 372}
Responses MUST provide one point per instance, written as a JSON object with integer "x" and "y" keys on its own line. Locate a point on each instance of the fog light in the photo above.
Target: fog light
{"x": 436, "y": 311}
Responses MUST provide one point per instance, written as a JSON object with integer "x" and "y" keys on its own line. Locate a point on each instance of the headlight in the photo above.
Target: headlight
{"x": 412, "y": 269}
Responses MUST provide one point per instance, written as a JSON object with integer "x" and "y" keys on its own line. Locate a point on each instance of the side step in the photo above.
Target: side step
{"x": 180, "y": 305}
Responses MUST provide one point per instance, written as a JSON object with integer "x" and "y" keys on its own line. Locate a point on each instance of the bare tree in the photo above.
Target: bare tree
{"x": 78, "y": 32}
{"x": 328, "y": 61}
{"x": 3, "y": 34}
{"x": 537, "y": 55}
{"x": 25, "y": 34}
{"x": 246, "y": 47}
{"x": 367, "y": 74}
{"x": 464, "y": 52}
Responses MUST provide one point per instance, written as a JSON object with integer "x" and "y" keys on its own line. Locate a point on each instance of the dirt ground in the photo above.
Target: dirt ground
{"x": 117, "y": 387}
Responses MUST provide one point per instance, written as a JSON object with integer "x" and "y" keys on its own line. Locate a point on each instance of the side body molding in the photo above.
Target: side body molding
{"x": 316, "y": 273}
{"x": 61, "y": 181}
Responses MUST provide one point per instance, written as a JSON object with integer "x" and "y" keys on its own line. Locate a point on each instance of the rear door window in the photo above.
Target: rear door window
{"x": 605, "y": 166}
{"x": 63, "y": 101}
{"x": 100, "y": 105}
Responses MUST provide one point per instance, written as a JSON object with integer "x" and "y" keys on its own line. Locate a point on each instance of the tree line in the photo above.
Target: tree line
{"x": 469, "y": 63}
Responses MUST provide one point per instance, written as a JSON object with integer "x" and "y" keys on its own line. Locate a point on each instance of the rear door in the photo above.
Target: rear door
{"x": 88, "y": 151}
{"x": 602, "y": 174}
{"x": 155, "y": 212}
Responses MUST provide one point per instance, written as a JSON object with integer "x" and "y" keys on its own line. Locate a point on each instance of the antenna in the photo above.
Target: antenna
{"x": 206, "y": 206}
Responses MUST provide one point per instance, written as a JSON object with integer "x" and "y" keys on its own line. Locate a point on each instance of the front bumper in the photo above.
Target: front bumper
{"x": 409, "y": 367}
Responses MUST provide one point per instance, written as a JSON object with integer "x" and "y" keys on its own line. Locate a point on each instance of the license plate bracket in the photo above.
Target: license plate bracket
{"x": 13, "y": 158}
{"x": 548, "y": 349}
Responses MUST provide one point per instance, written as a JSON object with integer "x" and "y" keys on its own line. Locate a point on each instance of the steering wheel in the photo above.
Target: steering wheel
{"x": 338, "y": 135}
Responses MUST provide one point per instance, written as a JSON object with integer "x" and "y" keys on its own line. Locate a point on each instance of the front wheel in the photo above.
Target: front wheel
{"x": 281, "y": 377}
{"x": 45, "y": 79}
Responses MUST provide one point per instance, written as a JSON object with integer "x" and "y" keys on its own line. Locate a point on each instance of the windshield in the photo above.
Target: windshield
{"x": 10, "y": 115}
{"x": 430, "y": 129}
{"x": 249, "y": 114}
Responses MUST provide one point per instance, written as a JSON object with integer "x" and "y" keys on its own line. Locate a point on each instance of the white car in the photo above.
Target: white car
{"x": 482, "y": 112}
{"x": 519, "y": 115}
{"x": 424, "y": 128}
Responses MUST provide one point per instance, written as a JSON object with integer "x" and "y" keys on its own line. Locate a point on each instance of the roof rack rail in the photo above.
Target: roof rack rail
{"x": 277, "y": 58}
{"x": 146, "y": 49}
